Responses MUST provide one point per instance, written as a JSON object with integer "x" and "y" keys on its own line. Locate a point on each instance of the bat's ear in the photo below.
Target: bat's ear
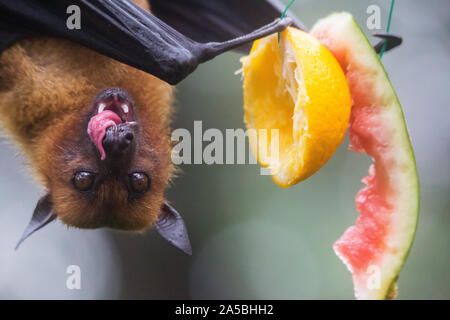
{"x": 171, "y": 227}
{"x": 42, "y": 215}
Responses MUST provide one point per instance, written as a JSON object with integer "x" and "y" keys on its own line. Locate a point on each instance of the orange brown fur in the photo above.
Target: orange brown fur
{"x": 46, "y": 86}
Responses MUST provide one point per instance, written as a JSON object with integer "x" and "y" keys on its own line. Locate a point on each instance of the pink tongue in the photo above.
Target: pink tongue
{"x": 97, "y": 128}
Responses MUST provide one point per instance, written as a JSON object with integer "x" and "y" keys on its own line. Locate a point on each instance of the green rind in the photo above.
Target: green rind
{"x": 396, "y": 112}
{"x": 392, "y": 285}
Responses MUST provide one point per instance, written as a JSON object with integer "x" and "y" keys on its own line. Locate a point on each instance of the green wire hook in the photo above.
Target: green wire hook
{"x": 383, "y": 49}
{"x": 284, "y": 13}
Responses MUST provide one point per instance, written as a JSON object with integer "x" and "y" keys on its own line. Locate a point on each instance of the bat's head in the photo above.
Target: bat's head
{"x": 110, "y": 168}
{"x": 108, "y": 165}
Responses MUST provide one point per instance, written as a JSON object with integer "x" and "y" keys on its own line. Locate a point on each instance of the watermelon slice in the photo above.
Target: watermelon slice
{"x": 375, "y": 248}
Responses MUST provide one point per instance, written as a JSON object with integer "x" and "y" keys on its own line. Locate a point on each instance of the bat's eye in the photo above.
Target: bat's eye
{"x": 83, "y": 180}
{"x": 139, "y": 182}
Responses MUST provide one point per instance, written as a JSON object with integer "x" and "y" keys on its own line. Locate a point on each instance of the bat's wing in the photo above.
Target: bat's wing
{"x": 9, "y": 35}
{"x": 219, "y": 20}
{"x": 123, "y": 31}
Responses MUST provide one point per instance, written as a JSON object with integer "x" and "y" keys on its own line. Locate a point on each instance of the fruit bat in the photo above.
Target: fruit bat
{"x": 91, "y": 107}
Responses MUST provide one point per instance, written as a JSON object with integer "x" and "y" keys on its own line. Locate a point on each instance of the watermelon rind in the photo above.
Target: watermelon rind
{"x": 403, "y": 174}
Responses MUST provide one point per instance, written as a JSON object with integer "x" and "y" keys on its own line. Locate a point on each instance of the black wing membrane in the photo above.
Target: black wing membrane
{"x": 219, "y": 20}
{"x": 125, "y": 32}
{"x": 121, "y": 30}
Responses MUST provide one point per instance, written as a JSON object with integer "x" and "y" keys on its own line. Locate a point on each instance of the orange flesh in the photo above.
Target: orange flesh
{"x": 297, "y": 87}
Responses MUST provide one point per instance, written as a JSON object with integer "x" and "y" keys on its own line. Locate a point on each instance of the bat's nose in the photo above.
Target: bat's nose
{"x": 120, "y": 139}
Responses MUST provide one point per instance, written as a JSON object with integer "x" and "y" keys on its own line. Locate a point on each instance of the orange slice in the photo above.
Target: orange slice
{"x": 297, "y": 101}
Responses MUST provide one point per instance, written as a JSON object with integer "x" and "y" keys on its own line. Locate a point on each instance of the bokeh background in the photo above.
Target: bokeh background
{"x": 251, "y": 239}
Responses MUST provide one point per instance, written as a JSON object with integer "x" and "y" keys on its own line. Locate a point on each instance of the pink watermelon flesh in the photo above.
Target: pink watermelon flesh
{"x": 388, "y": 204}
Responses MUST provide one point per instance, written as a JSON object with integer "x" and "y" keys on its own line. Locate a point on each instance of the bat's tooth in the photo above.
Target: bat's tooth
{"x": 101, "y": 107}
{"x": 125, "y": 108}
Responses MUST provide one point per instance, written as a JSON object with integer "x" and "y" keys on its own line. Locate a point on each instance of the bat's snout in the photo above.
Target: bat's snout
{"x": 120, "y": 139}
{"x": 113, "y": 127}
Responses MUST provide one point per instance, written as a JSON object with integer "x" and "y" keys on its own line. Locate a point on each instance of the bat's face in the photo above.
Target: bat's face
{"x": 109, "y": 167}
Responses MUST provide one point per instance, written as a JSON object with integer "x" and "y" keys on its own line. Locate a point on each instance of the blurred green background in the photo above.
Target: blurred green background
{"x": 251, "y": 239}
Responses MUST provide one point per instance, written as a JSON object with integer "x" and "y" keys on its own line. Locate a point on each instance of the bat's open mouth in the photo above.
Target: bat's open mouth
{"x": 112, "y": 108}
{"x": 122, "y": 109}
